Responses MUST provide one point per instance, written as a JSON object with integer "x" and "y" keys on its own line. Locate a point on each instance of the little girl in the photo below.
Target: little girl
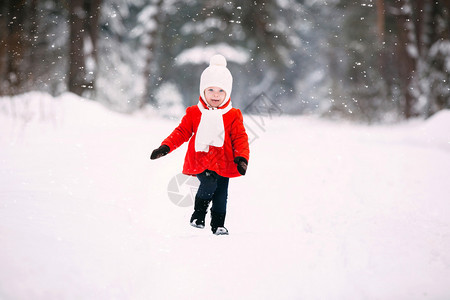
{"x": 218, "y": 148}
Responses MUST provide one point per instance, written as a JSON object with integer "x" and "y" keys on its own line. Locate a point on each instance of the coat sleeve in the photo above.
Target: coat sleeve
{"x": 182, "y": 133}
{"x": 239, "y": 138}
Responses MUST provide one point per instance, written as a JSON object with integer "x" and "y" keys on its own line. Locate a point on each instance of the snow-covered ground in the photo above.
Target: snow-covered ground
{"x": 326, "y": 211}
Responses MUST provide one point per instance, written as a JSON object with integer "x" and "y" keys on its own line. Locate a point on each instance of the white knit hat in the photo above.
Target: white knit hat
{"x": 218, "y": 75}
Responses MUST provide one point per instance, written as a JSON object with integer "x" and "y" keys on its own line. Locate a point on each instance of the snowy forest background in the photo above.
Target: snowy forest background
{"x": 371, "y": 60}
{"x": 352, "y": 210}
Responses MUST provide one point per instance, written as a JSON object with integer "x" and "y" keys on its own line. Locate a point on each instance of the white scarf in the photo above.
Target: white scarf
{"x": 211, "y": 131}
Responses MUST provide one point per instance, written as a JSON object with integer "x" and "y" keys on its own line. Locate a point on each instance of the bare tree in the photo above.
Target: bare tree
{"x": 77, "y": 67}
{"x": 83, "y": 18}
{"x": 4, "y": 36}
{"x": 12, "y": 66}
{"x": 406, "y": 54}
{"x": 151, "y": 64}
{"x": 380, "y": 20}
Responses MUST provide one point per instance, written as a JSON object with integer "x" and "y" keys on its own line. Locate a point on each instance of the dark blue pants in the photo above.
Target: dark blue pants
{"x": 214, "y": 187}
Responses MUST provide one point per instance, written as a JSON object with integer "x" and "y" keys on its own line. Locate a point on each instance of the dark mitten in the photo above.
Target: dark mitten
{"x": 241, "y": 164}
{"x": 160, "y": 152}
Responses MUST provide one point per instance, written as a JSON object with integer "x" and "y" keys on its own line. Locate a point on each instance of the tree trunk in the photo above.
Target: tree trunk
{"x": 4, "y": 35}
{"x": 419, "y": 18}
{"x": 33, "y": 61}
{"x": 77, "y": 68}
{"x": 406, "y": 62}
{"x": 150, "y": 66}
{"x": 93, "y": 9}
{"x": 15, "y": 72}
{"x": 83, "y": 17}
{"x": 381, "y": 26}
{"x": 380, "y": 21}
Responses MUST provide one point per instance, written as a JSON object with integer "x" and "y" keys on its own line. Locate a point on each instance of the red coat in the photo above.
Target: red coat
{"x": 218, "y": 159}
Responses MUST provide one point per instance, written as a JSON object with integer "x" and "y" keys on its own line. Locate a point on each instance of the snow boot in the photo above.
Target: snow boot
{"x": 217, "y": 222}
{"x": 200, "y": 208}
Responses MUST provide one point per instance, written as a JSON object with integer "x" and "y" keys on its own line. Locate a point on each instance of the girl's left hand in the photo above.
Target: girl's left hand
{"x": 242, "y": 164}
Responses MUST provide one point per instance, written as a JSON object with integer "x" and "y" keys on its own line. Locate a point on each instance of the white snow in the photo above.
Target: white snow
{"x": 200, "y": 55}
{"x": 327, "y": 210}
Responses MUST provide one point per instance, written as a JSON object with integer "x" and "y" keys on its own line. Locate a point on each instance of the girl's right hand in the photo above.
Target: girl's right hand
{"x": 160, "y": 152}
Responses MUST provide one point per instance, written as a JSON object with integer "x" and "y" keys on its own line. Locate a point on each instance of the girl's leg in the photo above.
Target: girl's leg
{"x": 219, "y": 207}
{"x": 220, "y": 196}
{"x": 208, "y": 185}
{"x": 205, "y": 192}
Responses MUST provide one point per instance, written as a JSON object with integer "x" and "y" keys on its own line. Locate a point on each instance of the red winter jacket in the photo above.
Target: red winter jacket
{"x": 218, "y": 159}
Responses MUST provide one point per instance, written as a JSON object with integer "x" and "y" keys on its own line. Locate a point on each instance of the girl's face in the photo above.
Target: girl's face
{"x": 215, "y": 96}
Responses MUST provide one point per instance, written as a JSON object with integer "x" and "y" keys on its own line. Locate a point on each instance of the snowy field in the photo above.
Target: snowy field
{"x": 326, "y": 211}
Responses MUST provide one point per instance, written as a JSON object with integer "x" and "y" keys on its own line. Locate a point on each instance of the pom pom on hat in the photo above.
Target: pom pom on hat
{"x": 218, "y": 75}
{"x": 218, "y": 60}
